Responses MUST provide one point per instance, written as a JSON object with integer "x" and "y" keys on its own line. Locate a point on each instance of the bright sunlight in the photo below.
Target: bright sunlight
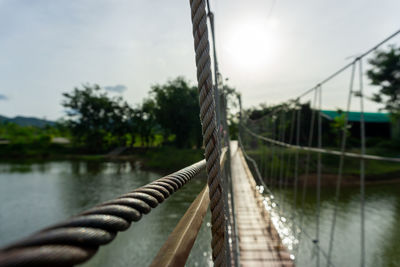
{"x": 252, "y": 44}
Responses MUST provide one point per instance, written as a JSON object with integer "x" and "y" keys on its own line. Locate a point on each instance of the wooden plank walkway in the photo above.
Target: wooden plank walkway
{"x": 259, "y": 243}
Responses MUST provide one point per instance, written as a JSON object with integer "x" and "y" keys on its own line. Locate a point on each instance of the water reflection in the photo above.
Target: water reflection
{"x": 382, "y": 231}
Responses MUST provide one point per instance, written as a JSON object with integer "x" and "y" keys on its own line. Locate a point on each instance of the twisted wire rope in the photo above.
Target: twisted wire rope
{"x": 77, "y": 239}
{"x": 209, "y": 130}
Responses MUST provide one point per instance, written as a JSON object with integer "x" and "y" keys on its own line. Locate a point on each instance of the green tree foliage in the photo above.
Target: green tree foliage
{"x": 95, "y": 119}
{"x": 99, "y": 122}
{"x": 19, "y": 141}
{"x": 338, "y": 125}
{"x": 144, "y": 122}
{"x": 22, "y": 135}
{"x": 177, "y": 111}
{"x": 26, "y": 135}
{"x": 230, "y": 96}
{"x": 385, "y": 73}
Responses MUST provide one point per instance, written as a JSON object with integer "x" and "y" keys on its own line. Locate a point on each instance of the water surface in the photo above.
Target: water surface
{"x": 382, "y": 231}
{"x": 36, "y": 195}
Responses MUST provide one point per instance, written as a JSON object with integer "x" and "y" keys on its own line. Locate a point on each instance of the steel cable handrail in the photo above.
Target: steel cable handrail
{"x": 321, "y": 150}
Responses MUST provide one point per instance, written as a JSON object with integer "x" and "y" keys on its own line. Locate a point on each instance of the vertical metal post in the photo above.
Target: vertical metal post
{"x": 240, "y": 108}
{"x": 362, "y": 164}
{"x": 229, "y": 192}
{"x": 319, "y": 173}
{"x": 216, "y": 70}
{"x": 226, "y": 182}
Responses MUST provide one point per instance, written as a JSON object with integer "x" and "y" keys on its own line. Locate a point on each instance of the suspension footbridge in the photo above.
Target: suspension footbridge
{"x": 252, "y": 221}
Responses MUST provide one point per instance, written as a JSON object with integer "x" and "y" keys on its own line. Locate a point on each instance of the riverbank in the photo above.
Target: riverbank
{"x": 161, "y": 159}
{"x": 330, "y": 180}
{"x": 273, "y": 162}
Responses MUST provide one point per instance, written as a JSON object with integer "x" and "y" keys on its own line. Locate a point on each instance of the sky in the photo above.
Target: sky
{"x": 269, "y": 50}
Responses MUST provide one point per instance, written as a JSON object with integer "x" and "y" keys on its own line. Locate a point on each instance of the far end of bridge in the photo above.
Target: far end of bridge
{"x": 259, "y": 242}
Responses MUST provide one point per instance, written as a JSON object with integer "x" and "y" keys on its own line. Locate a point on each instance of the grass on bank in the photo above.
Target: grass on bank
{"x": 170, "y": 158}
{"x": 163, "y": 159}
{"x": 268, "y": 160}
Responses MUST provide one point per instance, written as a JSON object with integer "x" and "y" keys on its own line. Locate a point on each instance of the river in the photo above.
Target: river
{"x": 35, "y": 195}
{"x": 382, "y": 231}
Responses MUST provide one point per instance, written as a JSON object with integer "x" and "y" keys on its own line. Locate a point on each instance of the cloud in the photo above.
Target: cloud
{"x": 119, "y": 88}
{"x": 3, "y": 97}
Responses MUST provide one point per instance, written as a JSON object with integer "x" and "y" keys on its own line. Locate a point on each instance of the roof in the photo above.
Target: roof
{"x": 376, "y": 117}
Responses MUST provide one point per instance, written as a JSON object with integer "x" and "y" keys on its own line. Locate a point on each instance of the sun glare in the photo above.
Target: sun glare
{"x": 252, "y": 44}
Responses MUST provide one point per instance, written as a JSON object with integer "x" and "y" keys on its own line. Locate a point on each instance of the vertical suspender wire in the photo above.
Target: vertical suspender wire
{"x": 267, "y": 152}
{"x": 272, "y": 162}
{"x": 319, "y": 170}
{"x": 296, "y": 170}
{"x": 289, "y": 161}
{"x": 264, "y": 147}
{"x": 232, "y": 216}
{"x": 341, "y": 163}
{"x": 216, "y": 69}
{"x": 277, "y": 149}
{"x": 209, "y": 130}
{"x": 227, "y": 178}
{"x": 308, "y": 159}
{"x": 262, "y": 156}
{"x": 281, "y": 161}
{"x": 362, "y": 165}
{"x": 239, "y": 98}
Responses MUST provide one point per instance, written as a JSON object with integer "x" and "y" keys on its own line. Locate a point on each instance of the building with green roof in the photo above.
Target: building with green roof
{"x": 377, "y": 124}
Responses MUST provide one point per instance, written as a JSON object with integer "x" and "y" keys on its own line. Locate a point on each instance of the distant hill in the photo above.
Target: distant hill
{"x": 27, "y": 121}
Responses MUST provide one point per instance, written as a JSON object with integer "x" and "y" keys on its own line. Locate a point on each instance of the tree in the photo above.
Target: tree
{"x": 144, "y": 122}
{"x": 385, "y": 73}
{"x": 338, "y": 125}
{"x": 229, "y": 99}
{"x": 93, "y": 116}
{"x": 176, "y": 110}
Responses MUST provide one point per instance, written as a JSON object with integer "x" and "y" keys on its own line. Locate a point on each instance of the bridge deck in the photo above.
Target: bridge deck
{"x": 259, "y": 243}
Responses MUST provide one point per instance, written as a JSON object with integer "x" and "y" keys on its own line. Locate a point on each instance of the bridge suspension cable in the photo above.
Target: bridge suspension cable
{"x": 209, "y": 129}
{"x": 322, "y": 150}
{"x": 339, "y": 71}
